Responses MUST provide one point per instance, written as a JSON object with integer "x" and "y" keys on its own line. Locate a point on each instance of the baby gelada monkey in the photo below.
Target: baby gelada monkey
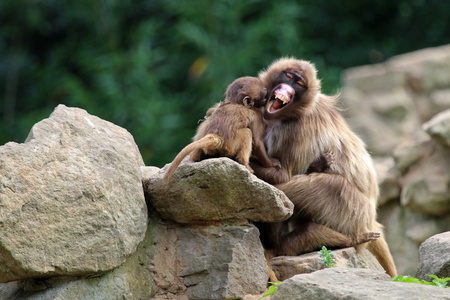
{"x": 232, "y": 128}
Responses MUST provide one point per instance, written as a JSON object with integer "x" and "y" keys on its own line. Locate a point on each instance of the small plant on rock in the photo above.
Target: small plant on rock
{"x": 441, "y": 282}
{"x": 272, "y": 288}
{"x": 327, "y": 256}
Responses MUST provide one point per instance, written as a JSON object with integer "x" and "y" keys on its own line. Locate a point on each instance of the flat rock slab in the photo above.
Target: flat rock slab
{"x": 71, "y": 198}
{"x": 358, "y": 284}
{"x": 215, "y": 190}
{"x": 288, "y": 266}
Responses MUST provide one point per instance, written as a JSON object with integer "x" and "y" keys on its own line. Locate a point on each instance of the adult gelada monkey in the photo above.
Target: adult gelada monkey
{"x": 335, "y": 208}
{"x": 232, "y": 128}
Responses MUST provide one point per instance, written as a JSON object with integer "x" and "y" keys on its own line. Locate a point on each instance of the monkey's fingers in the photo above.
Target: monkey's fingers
{"x": 367, "y": 237}
{"x": 329, "y": 158}
{"x": 275, "y": 163}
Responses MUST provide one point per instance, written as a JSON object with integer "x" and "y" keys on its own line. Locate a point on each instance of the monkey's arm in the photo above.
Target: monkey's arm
{"x": 259, "y": 149}
{"x": 271, "y": 175}
{"x": 260, "y": 153}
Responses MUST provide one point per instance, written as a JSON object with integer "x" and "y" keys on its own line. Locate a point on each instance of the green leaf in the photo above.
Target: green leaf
{"x": 272, "y": 289}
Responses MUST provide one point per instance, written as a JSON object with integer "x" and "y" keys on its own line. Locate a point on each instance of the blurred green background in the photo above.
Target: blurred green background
{"x": 154, "y": 67}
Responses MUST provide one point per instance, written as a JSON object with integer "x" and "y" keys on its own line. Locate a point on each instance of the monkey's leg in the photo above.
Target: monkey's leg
{"x": 330, "y": 200}
{"x": 243, "y": 147}
{"x": 260, "y": 153}
{"x": 197, "y": 155}
{"x": 270, "y": 233}
{"x": 311, "y": 236}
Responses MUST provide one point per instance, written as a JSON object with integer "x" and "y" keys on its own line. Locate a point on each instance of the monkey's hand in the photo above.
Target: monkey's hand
{"x": 275, "y": 163}
{"x": 329, "y": 158}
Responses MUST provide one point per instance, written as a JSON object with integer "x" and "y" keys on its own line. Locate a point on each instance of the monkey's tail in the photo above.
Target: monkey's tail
{"x": 209, "y": 141}
{"x": 380, "y": 249}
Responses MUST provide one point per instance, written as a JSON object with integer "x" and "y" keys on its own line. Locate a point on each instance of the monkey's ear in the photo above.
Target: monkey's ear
{"x": 248, "y": 102}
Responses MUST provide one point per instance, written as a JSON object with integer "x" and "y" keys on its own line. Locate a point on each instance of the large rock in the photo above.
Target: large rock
{"x": 133, "y": 280}
{"x": 71, "y": 198}
{"x": 426, "y": 180}
{"x": 434, "y": 257}
{"x": 215, "y": 190}
{"x": 358, "y": 284}
{"x": 147, "y": 274}
{"x": 288, "y": 266}
{"x": 224, "y": 262}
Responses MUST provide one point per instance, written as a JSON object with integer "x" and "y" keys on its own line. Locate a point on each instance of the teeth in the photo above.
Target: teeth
{"x": 284, "y": 100}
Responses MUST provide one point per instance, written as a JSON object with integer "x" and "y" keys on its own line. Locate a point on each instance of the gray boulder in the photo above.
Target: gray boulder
{"x": 71, "y": 198}
{"x": 224, "y": 262}
{"x": 358, "y": 284}
{"x": 215, "y": 190}
{"x": 139, "y": 277}
{"x": 434, "y": 257}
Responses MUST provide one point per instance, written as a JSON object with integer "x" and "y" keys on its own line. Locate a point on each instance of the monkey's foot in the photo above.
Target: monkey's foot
{"x": 365, "y": 237}
{"x": 245, "y": 163}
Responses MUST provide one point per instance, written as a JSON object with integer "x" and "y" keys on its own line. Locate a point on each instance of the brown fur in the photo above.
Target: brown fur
{"x": 336, "y": 208}
{"x": 232, "y": 128}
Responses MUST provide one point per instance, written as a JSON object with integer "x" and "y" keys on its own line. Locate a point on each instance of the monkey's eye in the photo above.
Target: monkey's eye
{"x": 289, "y": 75}
{"x": 301, "y": 82}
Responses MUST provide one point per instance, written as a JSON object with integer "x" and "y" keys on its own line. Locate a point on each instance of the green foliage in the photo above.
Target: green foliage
{"x": 327, "y": 257}
{"x": 272, "y": 288}
{"x": 441, "y": 282}
{"x": 154, "y": 67}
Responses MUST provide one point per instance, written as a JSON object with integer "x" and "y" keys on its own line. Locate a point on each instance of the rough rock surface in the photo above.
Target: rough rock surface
{"x": 434, "y": 257}
{"x": 216, "y": 190}
{"x": 439, "y": 127}
{"x": 388, "y": 180}
{"x": 224, "y": 262}
{"x": 358, "y": 284}
{"x": 287, "y": 266}
{"x": 426, "y": 180}
{"x": 71, "y": 198}
{"x": 388, "y": 102}
{"x": 138, "y": 278}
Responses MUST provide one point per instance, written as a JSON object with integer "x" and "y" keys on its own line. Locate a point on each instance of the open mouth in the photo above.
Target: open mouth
{"x": 281, "y": 96}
